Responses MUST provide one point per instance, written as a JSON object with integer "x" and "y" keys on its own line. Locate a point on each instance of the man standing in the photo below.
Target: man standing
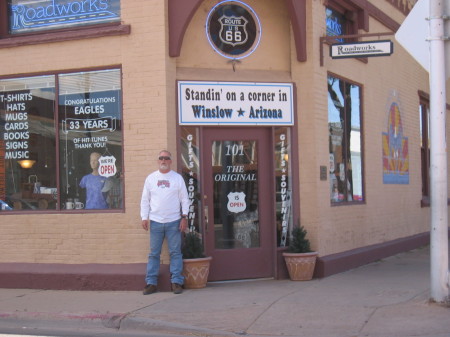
{"x": 164, "y": 209}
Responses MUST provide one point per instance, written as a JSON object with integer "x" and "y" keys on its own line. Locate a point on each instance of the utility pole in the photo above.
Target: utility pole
{"x": 438, "y": 161}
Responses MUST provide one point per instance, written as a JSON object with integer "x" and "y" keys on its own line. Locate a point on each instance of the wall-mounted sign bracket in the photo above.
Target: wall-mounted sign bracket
{"x": 339, "y": 38}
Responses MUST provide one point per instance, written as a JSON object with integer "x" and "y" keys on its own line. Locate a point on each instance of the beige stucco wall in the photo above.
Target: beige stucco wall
{"x": 149, "y": 115}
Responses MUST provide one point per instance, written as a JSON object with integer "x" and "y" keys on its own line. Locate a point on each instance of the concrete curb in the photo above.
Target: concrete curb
{"x": 43, "y": 319}
{"x": 144, "y": 324}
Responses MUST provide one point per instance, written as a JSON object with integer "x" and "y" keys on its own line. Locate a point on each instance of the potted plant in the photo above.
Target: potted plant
{"x": 299, "y": 258}
{"x": 195, "y": 263}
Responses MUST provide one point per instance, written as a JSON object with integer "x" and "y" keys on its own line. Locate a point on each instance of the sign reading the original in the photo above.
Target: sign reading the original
{"x": 234, "y": 103}
{"x": 361, "y": 49}
{"x": 233, "y": 29}
{"x": 29, "y": 16}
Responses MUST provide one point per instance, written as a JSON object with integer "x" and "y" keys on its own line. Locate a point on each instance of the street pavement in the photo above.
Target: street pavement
{"x": 388, "y": 298}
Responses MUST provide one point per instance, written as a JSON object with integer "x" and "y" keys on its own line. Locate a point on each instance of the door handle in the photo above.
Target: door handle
{"x": 205, "y": 210}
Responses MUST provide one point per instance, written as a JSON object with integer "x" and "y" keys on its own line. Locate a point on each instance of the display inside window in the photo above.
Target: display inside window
{"x": 90, "y": 140}
{"x": 335, "y": 23}
{"x": 32, "y": 16}
{"x": 27, "y": 146}
{"x": 65, "y": 155}
{"x": 345, "y": 152}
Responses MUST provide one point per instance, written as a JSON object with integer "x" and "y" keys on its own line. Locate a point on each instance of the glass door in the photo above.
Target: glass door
{"x": 239, "y": 227}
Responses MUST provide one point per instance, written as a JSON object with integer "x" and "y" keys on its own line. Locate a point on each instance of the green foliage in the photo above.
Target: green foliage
{"x": 193, "y": 246}
{"x": 298, "y": 241}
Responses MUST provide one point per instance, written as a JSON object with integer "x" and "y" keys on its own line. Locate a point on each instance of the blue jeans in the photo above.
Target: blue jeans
{"x": 159, "y": 231}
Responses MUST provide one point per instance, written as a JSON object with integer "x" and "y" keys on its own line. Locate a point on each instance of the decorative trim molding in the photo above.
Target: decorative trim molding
{"x": 403, "y": 6}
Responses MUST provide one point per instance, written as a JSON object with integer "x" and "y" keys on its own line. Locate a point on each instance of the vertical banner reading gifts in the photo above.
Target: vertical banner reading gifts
{"x": 91, "y": 140}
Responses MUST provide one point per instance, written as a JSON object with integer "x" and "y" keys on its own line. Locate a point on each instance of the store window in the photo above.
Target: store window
{"x": 283, "y": 184}
{"x": 345, "y": 17}
{"x": 345, "y": 139}
{"x": 190, "y": 167}
{"x": 424, "y": 115}
{"x": 61, "y": 144}
{"x": 336, "y": 23}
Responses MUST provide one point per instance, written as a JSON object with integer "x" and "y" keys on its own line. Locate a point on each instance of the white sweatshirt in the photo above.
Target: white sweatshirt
{"x": 164, "y": 197}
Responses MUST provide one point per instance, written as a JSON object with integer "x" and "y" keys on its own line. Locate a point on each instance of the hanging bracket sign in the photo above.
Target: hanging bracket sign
{"x": 235, "y": 103}
{"x": 361, "y": 49}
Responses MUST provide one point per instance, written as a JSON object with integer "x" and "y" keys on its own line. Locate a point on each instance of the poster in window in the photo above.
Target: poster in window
{"x": 90, "y": 140}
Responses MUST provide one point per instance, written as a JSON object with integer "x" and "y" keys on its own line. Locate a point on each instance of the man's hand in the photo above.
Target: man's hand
{"x": 145, "y": 224}
{"x": 183, "y": 224}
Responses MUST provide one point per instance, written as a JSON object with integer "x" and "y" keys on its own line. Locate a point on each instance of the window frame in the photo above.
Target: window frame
{"x": 361, "y": 121}
{"x": 59, "y": 209}
{"x": 425, "y": 159}
{"x": 424, "y": 111}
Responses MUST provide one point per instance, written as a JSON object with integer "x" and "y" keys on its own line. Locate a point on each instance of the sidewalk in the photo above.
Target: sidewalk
{"x": 388, "y": 298}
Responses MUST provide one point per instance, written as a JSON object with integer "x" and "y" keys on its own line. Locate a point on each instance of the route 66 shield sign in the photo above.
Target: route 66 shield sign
{"x": 236, "y": 202}
{"x": 233, "y": 29}
{"x": 107, "y": 166}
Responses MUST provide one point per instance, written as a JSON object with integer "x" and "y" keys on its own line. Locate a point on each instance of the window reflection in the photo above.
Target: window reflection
{"x": 344, "y": 113}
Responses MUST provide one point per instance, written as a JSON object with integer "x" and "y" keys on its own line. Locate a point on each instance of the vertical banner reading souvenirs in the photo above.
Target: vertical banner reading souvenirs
{"x": 395, "y": 149}
{"x": 90, "y": 120}
{"x": 191, "y": 173}
{"x": 283, "y": 186}
{"x": 27, "y": 146}
{"x": 30, "y": 16}
{"x": 235, "y": 103}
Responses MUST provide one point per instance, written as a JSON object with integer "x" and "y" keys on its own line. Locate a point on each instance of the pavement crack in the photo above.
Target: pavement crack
{"x": 266, "y": 310}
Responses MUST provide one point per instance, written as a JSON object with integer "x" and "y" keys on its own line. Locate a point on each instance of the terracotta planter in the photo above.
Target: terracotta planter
{"x": 195, "y": 272}
{"x": 300, "y": 265}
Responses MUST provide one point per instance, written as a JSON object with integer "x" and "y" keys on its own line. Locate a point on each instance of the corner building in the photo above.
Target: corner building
{"x": 267, "y": 128}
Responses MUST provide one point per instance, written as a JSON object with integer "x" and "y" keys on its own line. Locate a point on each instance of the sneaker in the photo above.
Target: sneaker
{"x": 149, "y": 289}
{"x": 176, "y": 288}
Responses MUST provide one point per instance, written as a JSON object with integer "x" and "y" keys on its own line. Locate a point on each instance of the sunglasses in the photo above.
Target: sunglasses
{"x": 164, "y": 158}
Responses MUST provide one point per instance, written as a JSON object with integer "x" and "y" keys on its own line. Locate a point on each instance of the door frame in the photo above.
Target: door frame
{"x": 279, "y": 266}
{"x": 268, "y": 233}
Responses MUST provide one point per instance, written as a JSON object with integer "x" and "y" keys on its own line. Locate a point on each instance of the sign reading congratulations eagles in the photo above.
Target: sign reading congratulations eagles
{"x": 235, "y": 103}
{"x": 233, "y": 29}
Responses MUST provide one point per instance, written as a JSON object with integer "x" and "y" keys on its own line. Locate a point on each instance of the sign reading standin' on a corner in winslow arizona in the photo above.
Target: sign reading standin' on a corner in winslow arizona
{"x": 235, "y": 103}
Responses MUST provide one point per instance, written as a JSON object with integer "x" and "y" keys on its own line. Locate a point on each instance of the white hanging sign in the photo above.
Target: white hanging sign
{"x": 107, "y": 166}
{"x": 236, "y": 202}
{"x": 235, "y": 103}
